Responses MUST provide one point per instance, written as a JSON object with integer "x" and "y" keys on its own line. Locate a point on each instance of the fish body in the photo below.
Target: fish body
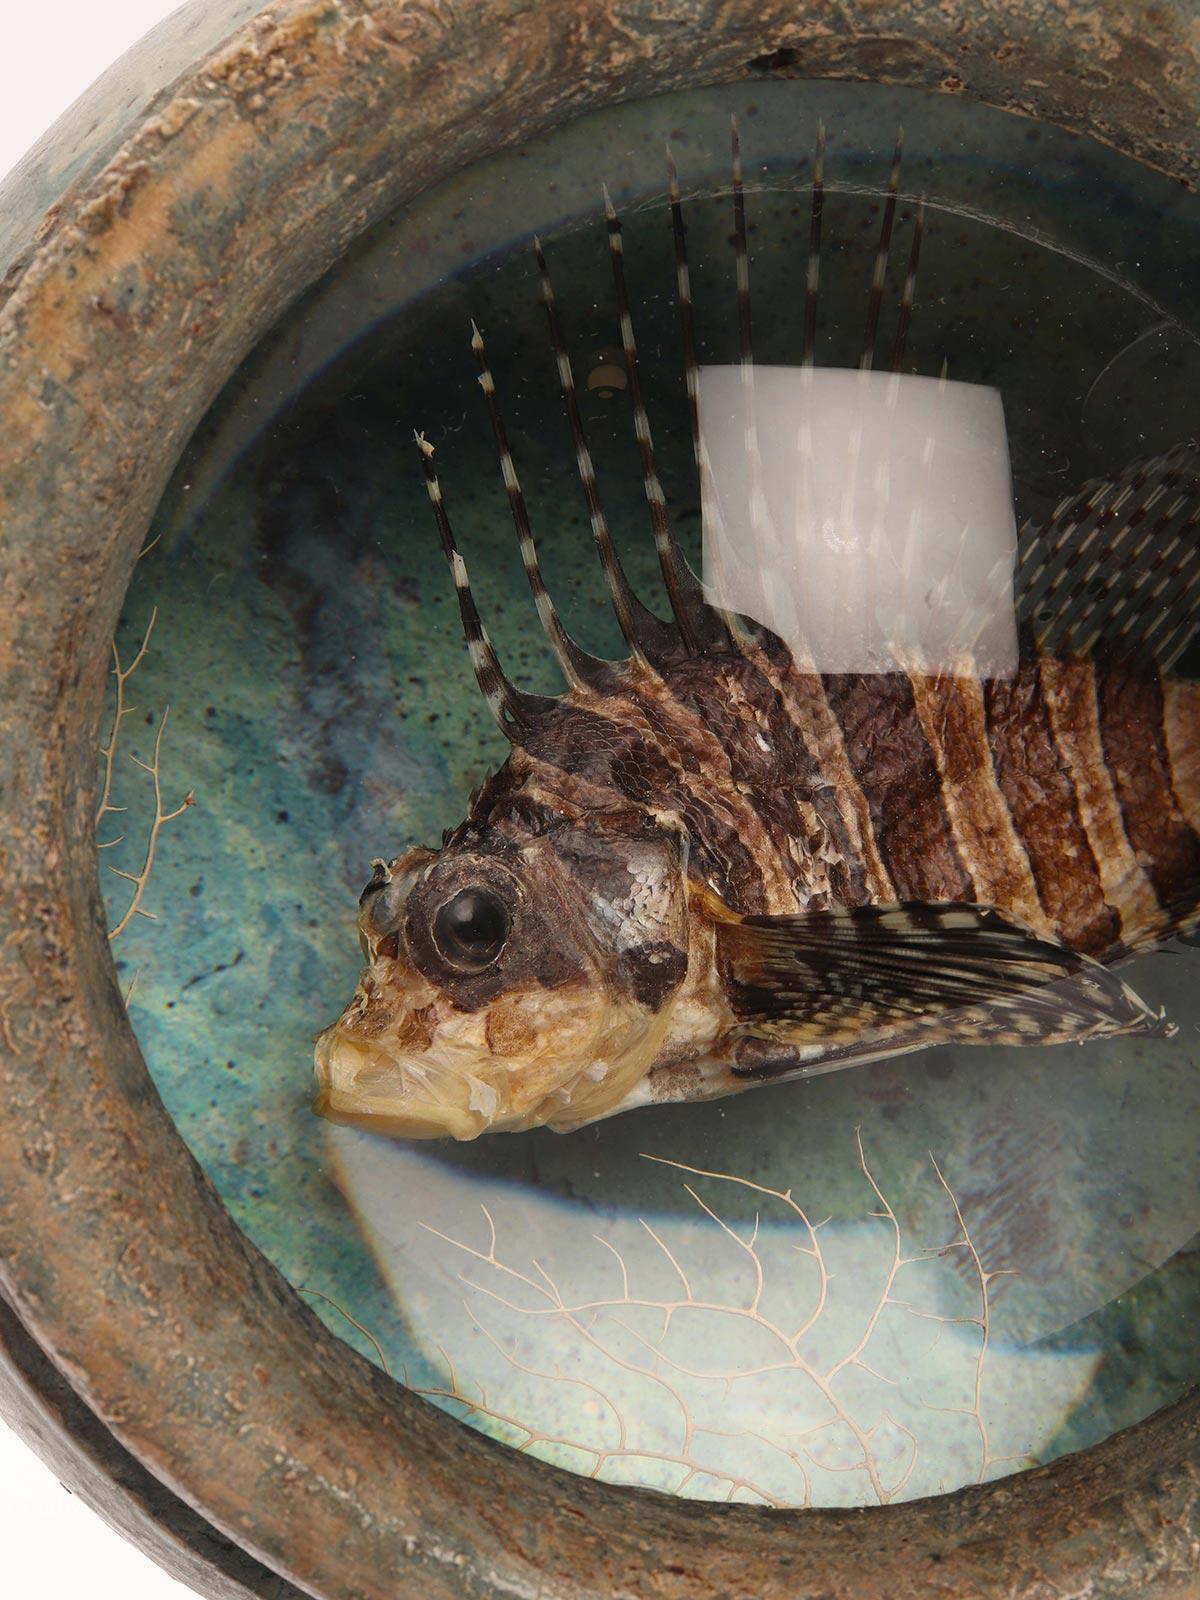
{"x": 712, "y": 866}
{"x": 658, "y": 847}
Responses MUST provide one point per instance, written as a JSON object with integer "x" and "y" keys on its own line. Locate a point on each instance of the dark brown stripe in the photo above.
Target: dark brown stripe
{"x": 615, "y": 758}
{"x": 702, "y": 769}
{"x": 896, "y": 770}
{"x": 1135, "y": 748}
{"x": 818, "y": 737}
{"x": 1044, "y": 807}
{"x": 1069, "y": 693}
{"x": 955, "y": 723}
{"x": 740, "y": 706}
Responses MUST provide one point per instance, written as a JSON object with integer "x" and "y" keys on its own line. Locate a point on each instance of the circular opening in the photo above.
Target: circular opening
{"x": 888, "y": 1281}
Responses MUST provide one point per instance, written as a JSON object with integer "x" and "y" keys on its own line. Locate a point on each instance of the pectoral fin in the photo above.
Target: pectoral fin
{"x": 835, "y": 986}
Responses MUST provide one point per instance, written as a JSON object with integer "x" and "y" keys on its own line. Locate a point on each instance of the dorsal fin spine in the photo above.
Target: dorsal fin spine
{"x": 507, "y": 705}
{"x": 812, "y": 276}
{"x": 669, "y": 558}
{"x": 687, "y": 318}
{"x": 878, "y": 277}
{"x": 741, "y": 252}
{"x": 910, "y": 288}
{"x": 624, "y": 601}
{"x": 576, "y": 665}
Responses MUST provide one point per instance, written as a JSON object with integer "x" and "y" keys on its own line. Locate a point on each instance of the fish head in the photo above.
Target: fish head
{"x": 514, "y": 979}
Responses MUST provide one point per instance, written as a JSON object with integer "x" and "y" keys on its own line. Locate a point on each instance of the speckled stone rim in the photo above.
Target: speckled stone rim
{"x": 148, "y": 1342}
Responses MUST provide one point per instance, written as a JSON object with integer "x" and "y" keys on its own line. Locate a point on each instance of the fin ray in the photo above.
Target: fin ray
{"x": 878, "y": 277}
{"x": 910, "y": 288}
{"x": 578, "y": 667}
{"x": 686, "y": 598}
{"x": 846, "y": 978}
{"x": 642, "y": 631}
{"x": 512, "y": 709}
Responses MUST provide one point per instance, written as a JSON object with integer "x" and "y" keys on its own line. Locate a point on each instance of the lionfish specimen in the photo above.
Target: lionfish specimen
{"x": 707, "y": 867}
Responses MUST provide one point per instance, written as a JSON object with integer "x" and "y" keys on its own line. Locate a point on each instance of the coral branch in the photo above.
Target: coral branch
{"x": 608, "y": 1351}
{"x": 108, "y": 751}
{"x": 105, "y": 806}
{"x": 328, "y": 1300}
{"x": 140, "y": 879}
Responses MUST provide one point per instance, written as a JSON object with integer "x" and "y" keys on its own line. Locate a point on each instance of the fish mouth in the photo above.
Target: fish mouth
{"x": 363, "y": 1084}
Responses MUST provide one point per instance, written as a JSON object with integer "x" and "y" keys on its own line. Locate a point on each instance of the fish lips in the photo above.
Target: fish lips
{"x": 361, "y": 1084}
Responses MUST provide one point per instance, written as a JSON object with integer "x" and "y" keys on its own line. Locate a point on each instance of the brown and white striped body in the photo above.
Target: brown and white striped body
{"x": 1066, "y": 797}
{"x": 709, "y": 866}
{"x": 654, "y": 841}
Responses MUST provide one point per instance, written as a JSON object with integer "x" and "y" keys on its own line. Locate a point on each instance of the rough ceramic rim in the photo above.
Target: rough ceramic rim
{"x": 132, "y": 303}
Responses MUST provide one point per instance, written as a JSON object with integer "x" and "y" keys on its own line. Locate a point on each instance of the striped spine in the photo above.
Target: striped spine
{"x": 566, "y": 652}
{"x": 879, "y": 276}
{"x": 760, "y": 555}
{"x": 1068, "y": 796}
{"x": 687, "y": 319}
{"x": 910, "y": 289}
{"x": 503, "y": 700}
{"x": 624, "y": 602}
{"x": 664, "y": 538}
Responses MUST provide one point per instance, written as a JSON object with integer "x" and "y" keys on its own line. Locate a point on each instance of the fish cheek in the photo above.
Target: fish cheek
{"x": 511, "y": 1028}
{"x": 652, "y": 972}
{"x": 416, "y": 1031}
{"x": 633, "y": 881}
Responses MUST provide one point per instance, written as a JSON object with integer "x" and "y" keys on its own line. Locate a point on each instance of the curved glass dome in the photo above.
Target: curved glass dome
{"x": 924, "y": 1270}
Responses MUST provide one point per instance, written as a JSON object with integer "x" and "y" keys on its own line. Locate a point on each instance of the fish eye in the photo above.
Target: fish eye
{"x": 471, "y": 928}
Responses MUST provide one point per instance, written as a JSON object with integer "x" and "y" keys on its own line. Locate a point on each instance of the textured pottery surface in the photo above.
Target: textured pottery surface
{"x": 154, "y": 1356}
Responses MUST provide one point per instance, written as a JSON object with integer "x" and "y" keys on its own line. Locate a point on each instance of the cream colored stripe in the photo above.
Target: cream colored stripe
{"x": 803, "y": 698}
{"x": 547, "y": 784}
{"x": 1069, "y": 692}
{"x": 703, "y": 769}
{"x": 714, "y": 786}
{"x": 1181, "y": 728}
{"x": 954, "y": 722}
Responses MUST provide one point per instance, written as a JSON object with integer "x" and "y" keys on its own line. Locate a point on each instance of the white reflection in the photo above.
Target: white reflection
{"x": 865, "y": 517}
{"x": 736, "y": 1348}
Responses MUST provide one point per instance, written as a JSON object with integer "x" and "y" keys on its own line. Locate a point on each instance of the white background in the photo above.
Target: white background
{"x": 51, "y": 1546}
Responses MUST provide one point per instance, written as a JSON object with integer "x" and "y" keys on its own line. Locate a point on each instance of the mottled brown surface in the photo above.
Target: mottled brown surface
{"x": 895, "y": 767}
{"x": 45, "y": 1411}
{"x": 119, "y": 323}
{"x": 1042, "y": 802}
{"x": 1131, "y": 726}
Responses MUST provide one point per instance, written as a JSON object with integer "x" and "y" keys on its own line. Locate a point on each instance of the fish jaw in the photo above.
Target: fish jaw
{"x": 373, "y": 1065}
{"x": 362, "y": 1084}
{"x": 405, "y": 1063}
